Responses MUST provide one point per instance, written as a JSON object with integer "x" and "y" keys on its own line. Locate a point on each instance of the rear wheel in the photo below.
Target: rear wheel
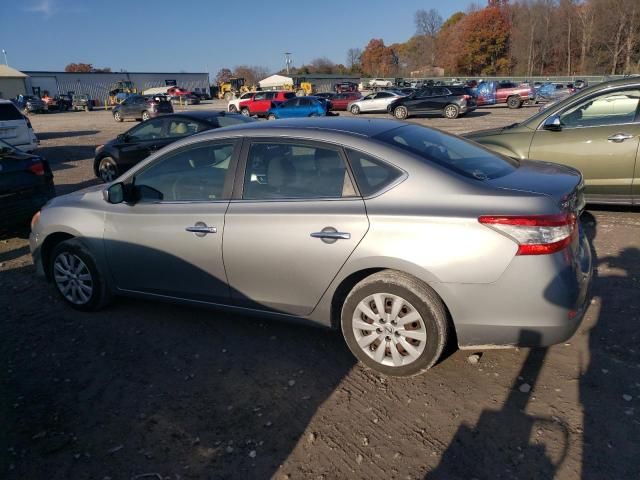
{"x": 451, "y": 111}
{"x": 401, "y": 113}
{"x": 514, "y": 102}
{"x": 233, "y": 108}
{"x": 77, "y": 278}
{"x": 355, "y": 109}
{"x": 245, "y": 112}
{"x": 108, "y": 169}
{"x": 394, "y": 324}
{"x": 117, "y": 116}
{"x": 145, "y": 116}
{"x": 271, "y": 116}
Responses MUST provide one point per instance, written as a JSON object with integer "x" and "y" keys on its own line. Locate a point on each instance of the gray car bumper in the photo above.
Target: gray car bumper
{"x": 538, "y": 301}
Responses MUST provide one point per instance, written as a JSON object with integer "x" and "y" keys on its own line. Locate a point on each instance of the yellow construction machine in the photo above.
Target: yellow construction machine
{"x": 231, "y": 89}
{"x": 120, "y": 90}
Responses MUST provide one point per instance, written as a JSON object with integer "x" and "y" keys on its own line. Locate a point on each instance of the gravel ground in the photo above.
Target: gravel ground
{"x": 147, "y": 390}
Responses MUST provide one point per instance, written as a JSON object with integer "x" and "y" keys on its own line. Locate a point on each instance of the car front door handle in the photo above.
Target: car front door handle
{"x": 619, "y": 137}
{"x": 200, "y": 229}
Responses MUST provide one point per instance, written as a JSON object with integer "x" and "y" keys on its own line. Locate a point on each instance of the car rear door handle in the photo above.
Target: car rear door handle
{"x": 619, "y": 137}
{"x": 331, "y": 235}
{"x": 201, "y": 229}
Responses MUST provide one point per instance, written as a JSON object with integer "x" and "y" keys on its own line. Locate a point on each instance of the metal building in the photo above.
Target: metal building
{"x": 12, "y": 82}
{"x": 98, "y": 84}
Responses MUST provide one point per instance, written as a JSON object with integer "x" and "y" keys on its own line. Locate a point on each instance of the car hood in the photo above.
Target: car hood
{"x": 91, "y": 194}
{"x": 556, "y": 181}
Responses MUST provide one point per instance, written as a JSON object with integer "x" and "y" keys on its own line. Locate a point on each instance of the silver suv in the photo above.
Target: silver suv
{"x": 399, "y": 235}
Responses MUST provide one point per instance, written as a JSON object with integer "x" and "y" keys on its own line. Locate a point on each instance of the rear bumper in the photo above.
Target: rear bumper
{"x": 18, "y": 207}
{"x": 538, "y": 301}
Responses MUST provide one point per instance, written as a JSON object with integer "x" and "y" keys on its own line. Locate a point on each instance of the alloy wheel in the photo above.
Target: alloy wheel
{"x": 108, "y": 170}
{"x": 451, "y": 111}
{"x": 389, "y": 329}
{"x": 73, "y": 278}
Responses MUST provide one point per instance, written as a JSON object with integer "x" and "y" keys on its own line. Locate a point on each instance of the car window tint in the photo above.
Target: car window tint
{"x": 179, "y": 128}
{"x": 450, "y": 152}
{"x": 289, "y": 94}
{"x": 8, "y": 111}
{"x": 371, "y": 174}
{"x": 290, "y": 103}
{"x": 149, "y": 130}
{"x": 612, "y": 108}
{"x": 196, "y": 174}
{"x": 281, "y": 171}
{"x": 384, "y": 95}
{"x": 305, "y": 102}
{"x": 260, "y": 96}
{"x": 227, "y": 120}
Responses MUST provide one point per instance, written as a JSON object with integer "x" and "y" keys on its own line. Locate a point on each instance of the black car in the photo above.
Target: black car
{"x": 133, "y": 146}
{"x": 26, "y": 184}
{"x": 449, "y": 101}
{"x": 141, "y": 108}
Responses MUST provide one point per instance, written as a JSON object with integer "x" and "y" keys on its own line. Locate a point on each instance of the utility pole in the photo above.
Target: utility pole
{"x": 287, "y": 60}
{"x": 4, "y": 52}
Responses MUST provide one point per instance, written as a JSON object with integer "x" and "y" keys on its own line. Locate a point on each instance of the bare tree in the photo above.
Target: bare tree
{"x": 428, "y": 23}
{"x": 353, "y": 57}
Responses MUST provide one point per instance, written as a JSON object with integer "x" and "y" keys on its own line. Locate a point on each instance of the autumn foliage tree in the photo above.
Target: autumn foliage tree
{"x": 84, "y": 68}
{"x": 379, "y": 60}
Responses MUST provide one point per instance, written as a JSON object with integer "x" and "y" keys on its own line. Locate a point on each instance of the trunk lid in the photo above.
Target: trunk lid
{"x": 564, "y": 184}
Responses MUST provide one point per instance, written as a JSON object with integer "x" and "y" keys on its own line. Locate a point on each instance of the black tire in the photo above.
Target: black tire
{"x": 401, "y": 112}
{"x": 145, "y": 116}
{"x": 355, "y": 110}
{"x": 107, "y": 169}
{"x": 100, "y": 294}
{"x": 271, "y": 116}
{"x": 117, "y": 116}
{"x": 514, "y": 102}
{"x": 233, "y": 109}
{"x": 451, "y": 111}
{"x": 425, "y": 302}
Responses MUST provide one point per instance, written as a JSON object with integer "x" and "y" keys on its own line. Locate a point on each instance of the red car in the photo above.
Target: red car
{"x": 177, "y": 92}
{"x": 339, "y": 101}
{"x": 261, "y": 102}
{"x": 512, "y": 94}
{"x": 344, "y": 87}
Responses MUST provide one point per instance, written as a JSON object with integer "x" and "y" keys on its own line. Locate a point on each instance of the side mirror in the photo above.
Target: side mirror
{"x": 115, "y": 193}
{"x": 552, "y": 124}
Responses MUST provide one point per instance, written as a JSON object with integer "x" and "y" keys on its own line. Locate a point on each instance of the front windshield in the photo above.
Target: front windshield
{"x": 450, "y": 152}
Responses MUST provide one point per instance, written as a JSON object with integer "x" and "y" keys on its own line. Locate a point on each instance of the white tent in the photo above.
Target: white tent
{"x": 275, "y": 81}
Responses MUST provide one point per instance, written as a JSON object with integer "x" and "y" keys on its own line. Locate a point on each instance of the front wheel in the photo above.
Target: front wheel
{"x": 394, "y": 324}
{"x": 117, "y": 116}
{"x": 77, "y": 278}
{"x": 107, "y": 169}
{"x": 245, "y": 112}
{"x": 145, "y": 116}
{"x": 451, "y": 111}
{"x": 355, "y": 109}
{"x": 271, "y": 116}
{"x": 401, "y": 113}
{"x": 233, "y": 109}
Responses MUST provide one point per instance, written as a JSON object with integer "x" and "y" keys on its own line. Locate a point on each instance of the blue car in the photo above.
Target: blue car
{"x": 300, "y": 107}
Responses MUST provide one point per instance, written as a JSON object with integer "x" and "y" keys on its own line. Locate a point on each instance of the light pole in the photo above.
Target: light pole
{"x": 287, "y": 60}
{"x": 4, "y": 52}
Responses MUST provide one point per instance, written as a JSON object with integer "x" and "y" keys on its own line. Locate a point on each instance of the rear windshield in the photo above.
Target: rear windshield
{"x": 461, "y": 91}
{"x": 450, "y": 152}
{"x": 228, "y": 120}
{"x": 8, "y": 111}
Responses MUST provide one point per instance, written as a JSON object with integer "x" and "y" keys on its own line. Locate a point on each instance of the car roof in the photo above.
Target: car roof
{"x": 362, "y": 127}
{"x": 202, "y": 114}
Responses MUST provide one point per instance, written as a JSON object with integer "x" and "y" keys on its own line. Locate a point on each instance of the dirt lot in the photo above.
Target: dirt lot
{"x": 175, "y": 392}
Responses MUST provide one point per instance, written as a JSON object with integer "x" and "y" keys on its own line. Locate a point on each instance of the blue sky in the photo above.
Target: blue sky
{"x": 198, "y": 35}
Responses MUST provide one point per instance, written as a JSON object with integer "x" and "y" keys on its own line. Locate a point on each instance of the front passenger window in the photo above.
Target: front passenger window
{"x": 613, "y": 108}
{"x": 149, "y": 130}
{"x": 195, "y": 174}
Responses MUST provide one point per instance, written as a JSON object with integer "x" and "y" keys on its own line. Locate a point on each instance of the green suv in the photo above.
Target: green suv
{"x": 596, "y": 131}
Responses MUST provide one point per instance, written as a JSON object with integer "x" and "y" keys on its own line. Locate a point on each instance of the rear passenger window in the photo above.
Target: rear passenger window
{"x": 8, "y": 111}
{"x": 371, "y": 174}
{"x": 288, "y": 171}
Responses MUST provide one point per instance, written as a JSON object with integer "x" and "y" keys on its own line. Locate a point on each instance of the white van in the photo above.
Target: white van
{"x": 15, "y": 128}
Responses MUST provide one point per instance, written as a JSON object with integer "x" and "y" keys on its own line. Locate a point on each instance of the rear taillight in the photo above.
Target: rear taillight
{"x": 37, "y": 168}
{"x": 535, "y": 234}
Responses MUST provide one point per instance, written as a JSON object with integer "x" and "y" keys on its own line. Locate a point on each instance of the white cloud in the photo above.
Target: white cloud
{"x": 44, "y": 7}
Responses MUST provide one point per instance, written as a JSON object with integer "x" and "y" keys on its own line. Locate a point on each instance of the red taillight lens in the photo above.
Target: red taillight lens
{"x": 535, "y": 234}
{"x": 37, "y": 168}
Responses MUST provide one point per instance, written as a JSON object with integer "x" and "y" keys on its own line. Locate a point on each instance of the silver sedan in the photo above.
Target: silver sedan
{"x": 402, "y": 237}
{"x": 374, "y": 102}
